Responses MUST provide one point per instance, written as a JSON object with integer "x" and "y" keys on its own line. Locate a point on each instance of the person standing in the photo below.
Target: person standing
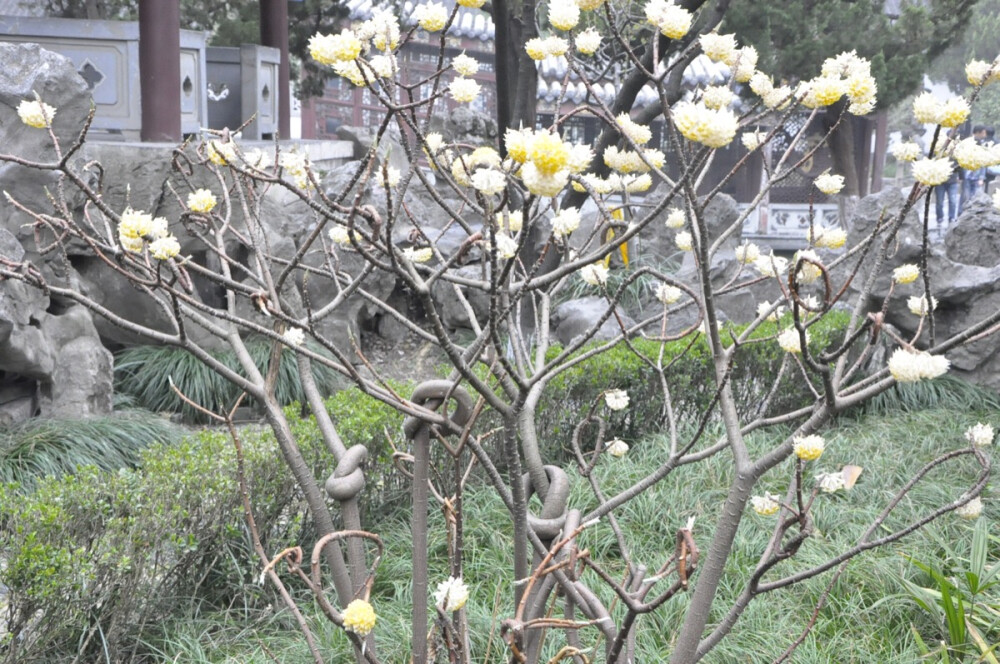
{"x": 973, "y": 182}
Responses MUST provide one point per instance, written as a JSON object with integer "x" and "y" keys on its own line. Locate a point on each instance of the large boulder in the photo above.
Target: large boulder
{"x": 974, "y": 239}
{"x": 51, "y": 358}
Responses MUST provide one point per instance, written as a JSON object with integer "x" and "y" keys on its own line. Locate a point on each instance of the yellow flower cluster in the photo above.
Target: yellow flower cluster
{"x": 432, "y": 16}
{"x": 684, "y": 241}
{"x": 565, "y": 222}
{"x": 36, "y": 114}
{"x": 698, "y": 123}
{"x": 753, "y": 139}
{"x": 344, "y": 51}
{"x": 672, "y": 20}
{"x": 853, "y": 75}
{"x": 220, "y": 153}
{"x": 717, "y": 96}
{"x": 808, "y": 271}
{"x": 201, "y": 200}
{"x": 538, "y": 48}
{"x": 773, "y": 98}
{"x": 296, "y": 164}
{"x": 917, "y": 304}
{"x": 668, "y": 294}
{"x": 906, "y": 274}
{"x": 616, "y": 448}
{"x": 588, "y": 41}
{"x": 928, "y": 109}
{"x": 932, "y": 172}
{"x": 331, "y": 49}
{"x": 980, "y": 72}
{"x": 766, "y": 505}
{"x": 465, "y": 65}
{"x": 466, "y": 166}
{"x": 809, "y": 448}
{"x": 719, "y": 48}
{"x": 359, "y": 617}
{"x": 972, "y": 156}
{"x": 547, "y": 161}
{"x": 747, "y": 253}
{"x": 137, "y": 227}
{"x": 614, "y": 183}
{"x": 828, "y": 238}
{"x": 595, "y": 274}
{"x": 564, "y": 15}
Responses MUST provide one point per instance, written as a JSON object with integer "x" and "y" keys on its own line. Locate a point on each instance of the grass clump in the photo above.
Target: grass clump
{"x": 143, "y": 373}
{"x": 43, "y": 447}
{"x": 866, "y": 620}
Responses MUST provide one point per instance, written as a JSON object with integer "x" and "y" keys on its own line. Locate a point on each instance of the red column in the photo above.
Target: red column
{"x": 160, "y": 69}
{"x": 274, "y": 32}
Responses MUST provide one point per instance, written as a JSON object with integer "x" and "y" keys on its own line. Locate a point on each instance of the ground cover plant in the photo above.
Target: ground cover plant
{"x": 589, "y": 554}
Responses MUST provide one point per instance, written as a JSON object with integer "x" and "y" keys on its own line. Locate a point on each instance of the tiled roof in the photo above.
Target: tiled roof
{"x": 476, "y": 24}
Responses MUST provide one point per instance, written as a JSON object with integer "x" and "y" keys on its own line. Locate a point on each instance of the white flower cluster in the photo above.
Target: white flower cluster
{"x": 981, "y": 72}
{"x": 616, "y": 399}
{"x": 830, "y": 482}
{"x": 451, "y": 595}
{"x": 911, "y": 366}
{"x": 595, "y": 274}
{"x": 980, "y": 435}
{"x": 971, "y": 510}
{"x": 908, "y": 151}
{"x": 847, "y": 74}
{"x": 766, "y": 505}
{"x": 918, "y": 304}
{"x": 790, "y": 341}
{"x": 35, "y": 113}
{"x": 714, "y": 128}
{"x": 672, "y": 20}
{"x": 829, "y": 183}
{"x": 668, "y": 294}
{"x": 616, "y": 448}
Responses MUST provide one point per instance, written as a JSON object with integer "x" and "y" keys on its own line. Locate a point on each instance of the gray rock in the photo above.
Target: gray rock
{"x": 974, "y": 239}
{"x": 453, "y": 313}
{"x": 83, "y": 381}
{"x": 572, "y": 319}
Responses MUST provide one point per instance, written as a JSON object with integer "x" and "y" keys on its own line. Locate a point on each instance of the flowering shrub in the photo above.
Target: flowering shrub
{"x": 539, "y": 210}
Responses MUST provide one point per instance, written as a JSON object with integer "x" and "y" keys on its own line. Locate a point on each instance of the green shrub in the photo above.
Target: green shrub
{"x": 95, "y": 559}
{"x": 691, "y": 380}
{"x": 42, "y": 446}
{"x": 99, "y": 559}
{"x": 144, "y": 373}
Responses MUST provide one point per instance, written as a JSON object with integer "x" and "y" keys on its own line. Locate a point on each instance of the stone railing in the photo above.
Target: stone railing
{"x": 106, "y": 54}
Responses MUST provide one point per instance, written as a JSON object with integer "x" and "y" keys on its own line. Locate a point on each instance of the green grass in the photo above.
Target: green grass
{"x": 867, "y": 619}
{"x": 143, "y": 373}
{"x": 43, "y": 447}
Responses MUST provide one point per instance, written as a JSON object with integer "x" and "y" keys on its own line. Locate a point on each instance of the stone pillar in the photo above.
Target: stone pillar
{"x": 160, "y": 69}
{"x": 274, "y": 32}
